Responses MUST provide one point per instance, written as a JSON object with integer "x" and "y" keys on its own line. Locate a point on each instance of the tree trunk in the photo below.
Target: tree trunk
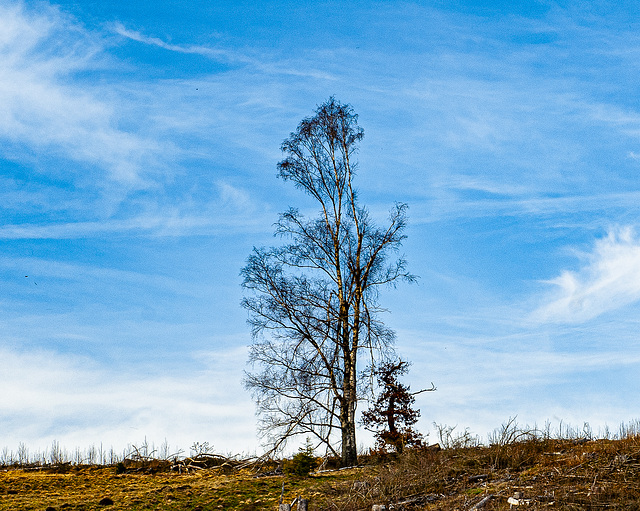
{"x": 348, "y": 423}
{"x": 349, "y": 396}
{"x": 349, "y": 448}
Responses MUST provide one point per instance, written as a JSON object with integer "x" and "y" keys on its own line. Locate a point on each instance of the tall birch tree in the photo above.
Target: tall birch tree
{"x": 312, "y": 302}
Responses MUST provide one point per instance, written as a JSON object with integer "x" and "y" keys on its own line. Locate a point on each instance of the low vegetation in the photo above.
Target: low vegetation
{"x": 521, "y": 466}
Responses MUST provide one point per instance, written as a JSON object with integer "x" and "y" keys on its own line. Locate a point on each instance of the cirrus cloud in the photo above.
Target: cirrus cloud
{"x": 46, "y": 110}
{"x": 608, "y": 279}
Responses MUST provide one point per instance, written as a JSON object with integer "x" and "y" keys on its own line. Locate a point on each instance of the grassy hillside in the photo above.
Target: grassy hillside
{"x": 535, "y": 473}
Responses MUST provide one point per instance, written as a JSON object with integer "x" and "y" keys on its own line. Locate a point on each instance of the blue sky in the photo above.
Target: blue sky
{"x": 138, "y": 152}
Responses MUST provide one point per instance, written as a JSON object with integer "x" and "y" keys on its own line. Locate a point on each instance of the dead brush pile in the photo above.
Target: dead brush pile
{"x": 529, "y": 473}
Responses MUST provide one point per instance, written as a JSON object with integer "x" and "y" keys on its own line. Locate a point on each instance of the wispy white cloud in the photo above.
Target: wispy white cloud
{"x": 584, "y": 211}
{"x": 221, "y": 55}
{"x": 484, "y": 379}
{"x": 97, "y": 276}
{"x": 486, "y": 185}
{"x": 609, "y": 278}
{"x": 150, "y": 225}
{"x": 79, "y": 402}
{"x": 231, "y": 207}
{"x": 42, "y": 109}
{"x": 264, "y": 63}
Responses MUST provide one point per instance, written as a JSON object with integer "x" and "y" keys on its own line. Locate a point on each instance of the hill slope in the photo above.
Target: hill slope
{"x": 532, "y": 474}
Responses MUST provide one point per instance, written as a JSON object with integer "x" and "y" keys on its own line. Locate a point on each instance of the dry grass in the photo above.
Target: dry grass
{"x": 91, "y": 488}
{"x": 550, "y": 473}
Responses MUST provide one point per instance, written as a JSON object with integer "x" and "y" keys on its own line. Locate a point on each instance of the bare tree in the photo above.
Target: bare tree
{"x": 313, "y": 302}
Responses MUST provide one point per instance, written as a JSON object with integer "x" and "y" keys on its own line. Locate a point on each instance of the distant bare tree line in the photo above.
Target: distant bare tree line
{"x": 55, "y": 454}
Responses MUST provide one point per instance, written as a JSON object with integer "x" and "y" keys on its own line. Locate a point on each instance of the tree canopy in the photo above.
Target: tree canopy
{"x": 392, "y": 415}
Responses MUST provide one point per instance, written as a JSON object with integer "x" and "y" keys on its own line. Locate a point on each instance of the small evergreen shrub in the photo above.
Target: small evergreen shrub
{"x": 302, "y": 463}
